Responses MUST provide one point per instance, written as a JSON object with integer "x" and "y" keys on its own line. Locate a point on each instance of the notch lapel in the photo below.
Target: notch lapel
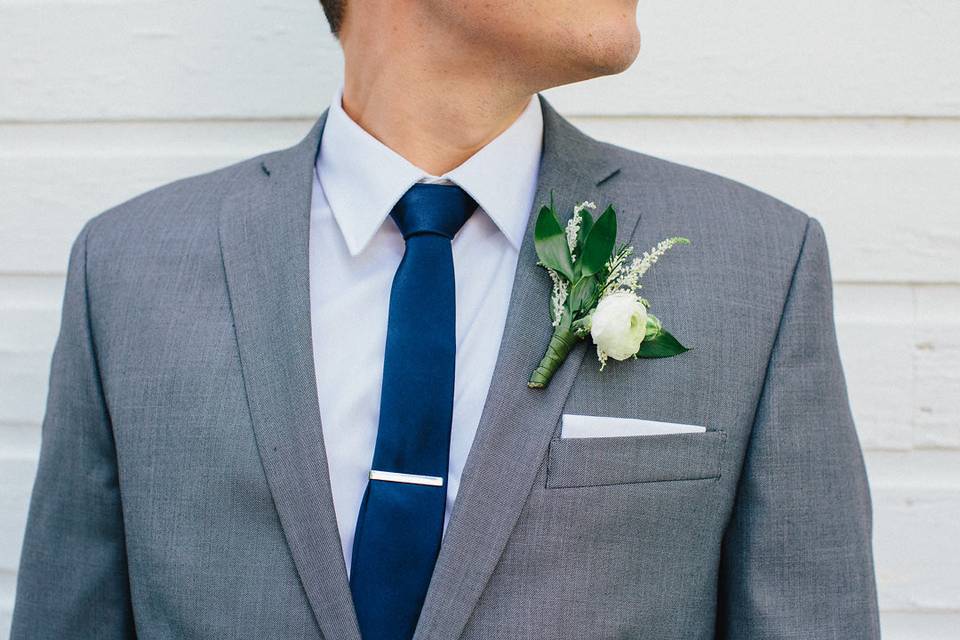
{"x": 264, "y": 238}
{"x": 517, "y": 422}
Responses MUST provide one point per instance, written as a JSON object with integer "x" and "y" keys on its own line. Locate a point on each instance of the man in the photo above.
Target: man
{"x": 289, "y": 397}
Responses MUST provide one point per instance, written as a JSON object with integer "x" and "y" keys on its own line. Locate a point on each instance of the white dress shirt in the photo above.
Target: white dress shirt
{"x": 355, "y": 249}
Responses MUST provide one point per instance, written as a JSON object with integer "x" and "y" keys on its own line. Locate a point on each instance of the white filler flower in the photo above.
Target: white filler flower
{"x": 618, "y": 325}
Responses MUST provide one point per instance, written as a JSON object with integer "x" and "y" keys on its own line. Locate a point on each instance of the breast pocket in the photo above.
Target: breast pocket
{"x": 590, "y": 462}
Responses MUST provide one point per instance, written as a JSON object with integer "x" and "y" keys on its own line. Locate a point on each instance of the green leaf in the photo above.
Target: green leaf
{"x": 663, "y": 345}
{"x": 582, "y": 294}
{"x": 598, "y": 246}
{"x": 551, "y": 243}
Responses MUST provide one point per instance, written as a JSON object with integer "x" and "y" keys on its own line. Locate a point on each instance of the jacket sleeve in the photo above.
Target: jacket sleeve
{"x": 73, "y": 579}
{"x": 797, "y": 559}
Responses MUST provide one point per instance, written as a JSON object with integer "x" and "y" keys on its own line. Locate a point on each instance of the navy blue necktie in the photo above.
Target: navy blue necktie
{"x": 400, "y": 523}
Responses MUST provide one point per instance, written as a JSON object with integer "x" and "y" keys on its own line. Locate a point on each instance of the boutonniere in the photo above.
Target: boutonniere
{"x": 595, "y": 290}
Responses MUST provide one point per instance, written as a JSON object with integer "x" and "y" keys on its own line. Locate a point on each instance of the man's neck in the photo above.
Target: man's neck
{"x": 436, "y": 105}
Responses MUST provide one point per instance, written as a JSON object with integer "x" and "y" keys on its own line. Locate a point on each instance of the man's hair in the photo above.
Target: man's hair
{"x": 334, "y": 11}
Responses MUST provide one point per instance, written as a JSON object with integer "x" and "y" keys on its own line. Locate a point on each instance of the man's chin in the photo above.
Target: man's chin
{"x": 619, "y": 55}
{"x": 608, "y": 53}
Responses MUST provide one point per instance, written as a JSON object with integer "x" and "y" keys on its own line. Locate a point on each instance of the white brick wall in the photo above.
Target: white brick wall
{"x": 849, "y": 110}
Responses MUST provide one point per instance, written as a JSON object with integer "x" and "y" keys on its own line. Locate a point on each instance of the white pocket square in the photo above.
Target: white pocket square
{"x": 574, "y": 426}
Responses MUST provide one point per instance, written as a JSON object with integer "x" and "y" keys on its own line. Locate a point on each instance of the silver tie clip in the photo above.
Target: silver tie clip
{"x": 406, "y": 478}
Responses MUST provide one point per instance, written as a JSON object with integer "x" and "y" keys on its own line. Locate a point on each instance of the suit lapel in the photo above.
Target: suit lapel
{"x": 264, "y": 232}
{"x": 516, "y": 423}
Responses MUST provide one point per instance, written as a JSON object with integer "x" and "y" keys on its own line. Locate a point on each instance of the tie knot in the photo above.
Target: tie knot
{"x": 440, "y": 209}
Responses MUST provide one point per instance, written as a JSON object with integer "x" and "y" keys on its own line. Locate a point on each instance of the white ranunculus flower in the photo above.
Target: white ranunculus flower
{"x": 619, "y": 324}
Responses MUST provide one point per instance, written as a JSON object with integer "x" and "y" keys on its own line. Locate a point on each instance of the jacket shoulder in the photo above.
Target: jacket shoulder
{"x": 711, "y": 198}
{"x": 735, "y": 229}
{"x": 192, "y": 199}
{"x": 162, "y": 231}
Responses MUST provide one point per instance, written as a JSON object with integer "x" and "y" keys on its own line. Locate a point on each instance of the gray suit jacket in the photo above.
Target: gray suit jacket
{"x": 183, "y": 490}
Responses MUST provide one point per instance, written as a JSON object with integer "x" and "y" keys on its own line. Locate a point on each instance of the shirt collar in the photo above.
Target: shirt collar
{"x": 363, "y": 179}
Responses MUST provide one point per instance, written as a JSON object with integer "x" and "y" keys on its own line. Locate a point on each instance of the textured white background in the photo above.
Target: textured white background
{"x": 849, "y": 110}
